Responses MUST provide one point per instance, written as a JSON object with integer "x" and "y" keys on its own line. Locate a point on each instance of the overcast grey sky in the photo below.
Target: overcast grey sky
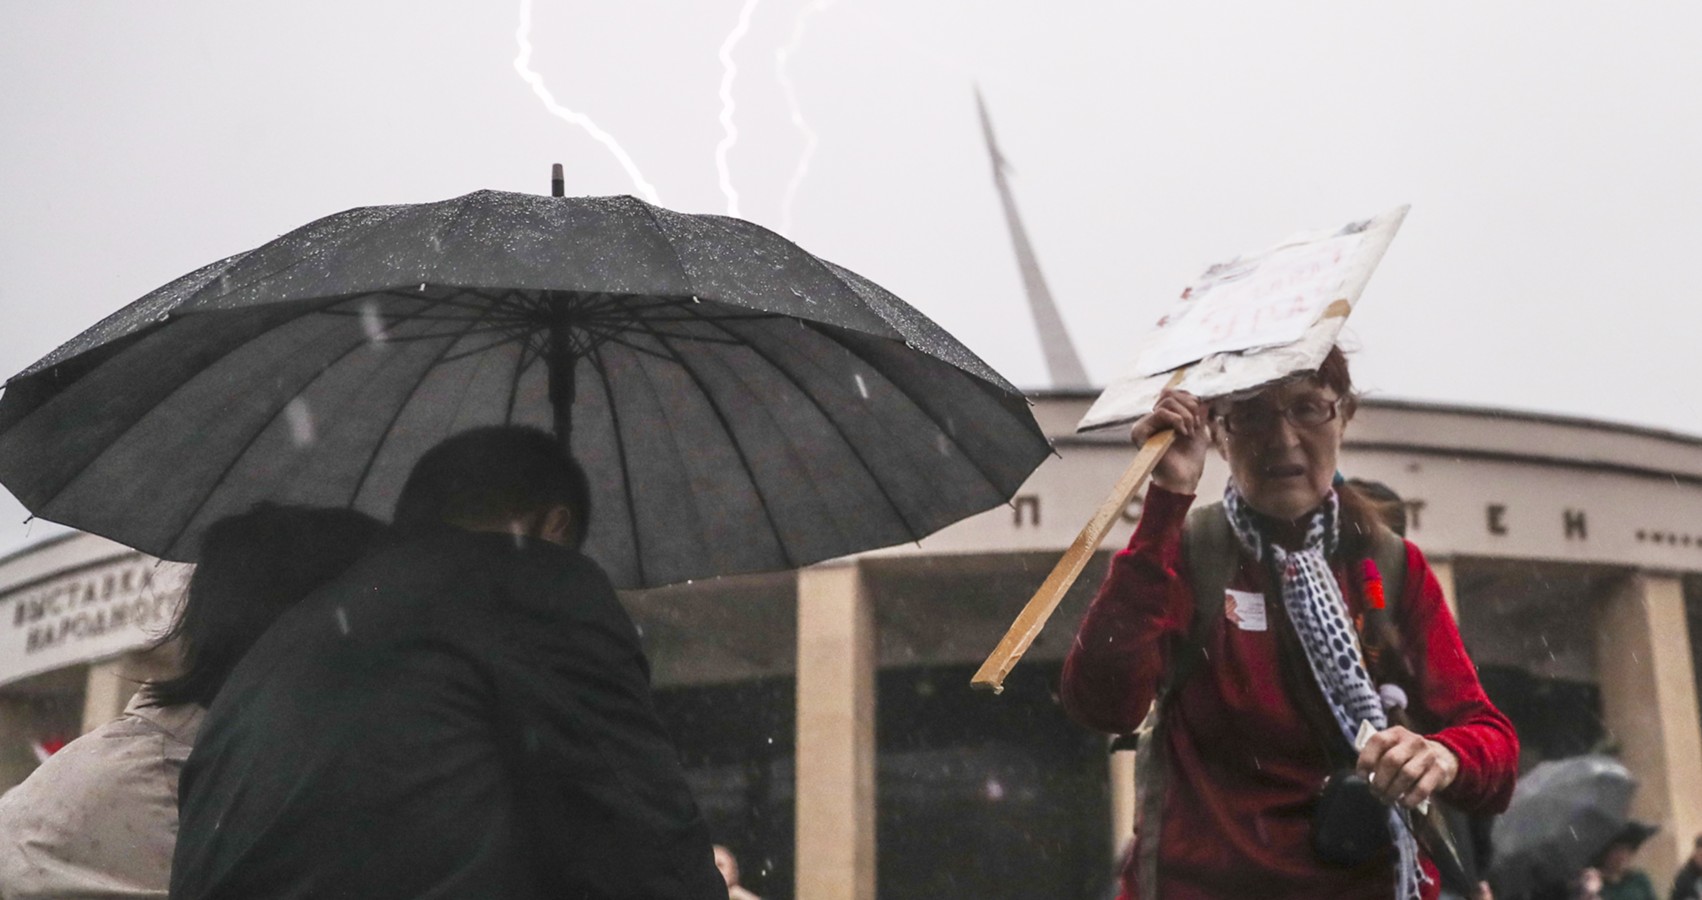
{"x": 1550, "y": 151}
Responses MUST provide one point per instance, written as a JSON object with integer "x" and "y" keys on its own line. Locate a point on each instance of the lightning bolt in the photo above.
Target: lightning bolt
{"x": 730, "y": 134}
{"x": 781, "y": 58}
{"x": 523, "y": 65}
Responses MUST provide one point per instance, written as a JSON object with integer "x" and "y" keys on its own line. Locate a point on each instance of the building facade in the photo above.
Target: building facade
{"x": 825, "y": 716}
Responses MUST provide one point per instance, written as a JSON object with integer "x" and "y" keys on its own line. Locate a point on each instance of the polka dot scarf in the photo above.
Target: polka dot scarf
{"x": 1313, "y": 600}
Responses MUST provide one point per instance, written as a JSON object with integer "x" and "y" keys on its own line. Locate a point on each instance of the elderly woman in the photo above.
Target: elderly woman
{"x": 1269, "y": 693}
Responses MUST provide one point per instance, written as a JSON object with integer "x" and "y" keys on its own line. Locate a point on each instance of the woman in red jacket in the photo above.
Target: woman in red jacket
{"x": 1290, "y": 676}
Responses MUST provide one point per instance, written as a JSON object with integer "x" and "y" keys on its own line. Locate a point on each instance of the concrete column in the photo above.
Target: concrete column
{"x": 1649, "y": 701}
{"x": 1122, "y": 770}
{"x": 836, "y": 735}
{"x": 106, "y": 693}
{"x": 1443, "y": 569}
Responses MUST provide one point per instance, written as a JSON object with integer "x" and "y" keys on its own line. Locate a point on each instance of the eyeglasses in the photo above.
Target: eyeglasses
{"x": 1307, "y": 412}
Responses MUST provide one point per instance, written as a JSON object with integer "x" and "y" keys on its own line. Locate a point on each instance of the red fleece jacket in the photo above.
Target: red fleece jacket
{"x": 1244, "y": 765}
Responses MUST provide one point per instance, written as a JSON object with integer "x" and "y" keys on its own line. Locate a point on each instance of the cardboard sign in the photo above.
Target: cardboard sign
{"x": 1253, "y": 320}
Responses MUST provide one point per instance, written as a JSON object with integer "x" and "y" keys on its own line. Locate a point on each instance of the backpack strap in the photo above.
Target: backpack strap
{"x": 1211, "y": 555}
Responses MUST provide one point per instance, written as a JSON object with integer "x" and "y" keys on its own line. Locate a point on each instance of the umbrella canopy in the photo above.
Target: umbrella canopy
{"x": 1562, "y": 816}
{"x": 739, "y": 404}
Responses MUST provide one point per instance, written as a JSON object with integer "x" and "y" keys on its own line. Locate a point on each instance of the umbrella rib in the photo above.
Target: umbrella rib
{"x": 873, "y": 475}
{"x": 733, "y": 437}
{"x": 695, "y": 338}
{"x": 254, "y": 437}
{"x": 819, "y": 264}
{"x": 483, "y": 310}
{"x": 384, "y": 436}
{"x": 917, "y": 406}
{"x": 173, "y": 392}
{"x": 369, "y": 223}
{"x": 457, "y": 212}
{"x": 508, "y": 338}
{"x": 514, "y": 383}
{"x": 628, "y": 344}
{"x": 596, "y": 357}
{"x": 668, "y": 241}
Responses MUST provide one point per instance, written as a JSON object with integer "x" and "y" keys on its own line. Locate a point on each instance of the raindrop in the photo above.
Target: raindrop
{"x": 942, "y": 444}
{"x": 422, "y": 287}
{"x": 300, "y": 418}
{"x": 862, "y": 388}
{"x": 342, "y": 621}
{"x": 995, "y": 790}
{"x": 372, "y": 323}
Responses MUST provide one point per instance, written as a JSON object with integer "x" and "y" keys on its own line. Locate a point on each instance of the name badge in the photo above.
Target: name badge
{"x": 1246, "y": 609}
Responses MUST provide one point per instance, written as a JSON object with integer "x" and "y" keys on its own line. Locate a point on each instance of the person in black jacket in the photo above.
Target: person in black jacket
{"x": 465, "y": 713}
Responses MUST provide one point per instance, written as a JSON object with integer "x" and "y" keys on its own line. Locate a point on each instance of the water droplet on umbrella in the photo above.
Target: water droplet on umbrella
{"x": 300, "y": 419}
{"x": 342, "y": 621}
{"x": 862, "y": 388}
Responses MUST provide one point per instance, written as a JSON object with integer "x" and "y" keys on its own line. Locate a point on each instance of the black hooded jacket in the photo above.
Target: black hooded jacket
{"x": 460, "y": 715}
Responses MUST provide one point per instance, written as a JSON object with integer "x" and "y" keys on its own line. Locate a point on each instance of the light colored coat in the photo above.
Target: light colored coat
{"x": 99, "y": 818}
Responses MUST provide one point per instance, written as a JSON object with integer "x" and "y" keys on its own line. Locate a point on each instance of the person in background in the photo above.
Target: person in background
{"x": 1687, "y": 884}
{"x": 728, "y": 864}
{"x": 99, "y": 818}
{"x": 1619, "y": 881}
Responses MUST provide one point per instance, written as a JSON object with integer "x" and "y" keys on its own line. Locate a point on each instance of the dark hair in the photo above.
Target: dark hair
{"x": 1383, "y": 500}
{"x": 491, "y": 475}
{"x": 252, "y": 567}
{"x": 1366, "y": 508}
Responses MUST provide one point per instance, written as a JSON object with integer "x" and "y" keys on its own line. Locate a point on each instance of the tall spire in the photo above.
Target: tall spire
{"x": 1062, "y": 363}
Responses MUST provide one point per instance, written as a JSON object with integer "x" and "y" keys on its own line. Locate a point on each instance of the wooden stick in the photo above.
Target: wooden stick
{"x": 1026, "y": 628}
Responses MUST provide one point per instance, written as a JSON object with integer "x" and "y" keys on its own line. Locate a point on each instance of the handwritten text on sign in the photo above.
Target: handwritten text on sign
{"x": 1259, "y": 301}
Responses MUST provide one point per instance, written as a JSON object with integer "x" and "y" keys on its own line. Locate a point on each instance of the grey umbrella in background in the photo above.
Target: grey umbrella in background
{"x": 739, "y": 404}
{"x": 1562, "y": 816}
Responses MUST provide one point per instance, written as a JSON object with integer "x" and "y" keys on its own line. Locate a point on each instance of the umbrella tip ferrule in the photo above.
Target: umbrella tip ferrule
{"x": 558, "y": 181}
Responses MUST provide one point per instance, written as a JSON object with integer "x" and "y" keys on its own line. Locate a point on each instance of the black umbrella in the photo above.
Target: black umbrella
{"x": 1562, "y": 816}
{"x": 739, "y": 404}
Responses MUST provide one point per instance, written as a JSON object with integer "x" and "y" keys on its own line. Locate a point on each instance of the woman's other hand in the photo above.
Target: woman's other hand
{"x": 1406, "y": 768}
{"x": 1179, "y": 411}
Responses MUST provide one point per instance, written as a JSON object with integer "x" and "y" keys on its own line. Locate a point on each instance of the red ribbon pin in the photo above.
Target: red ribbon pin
{"x": 1373, "y": 584}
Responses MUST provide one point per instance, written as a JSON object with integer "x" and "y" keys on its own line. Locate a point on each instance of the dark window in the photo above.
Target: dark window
{"x": 736, "y": 742}
{"x": 987, "y": 796}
